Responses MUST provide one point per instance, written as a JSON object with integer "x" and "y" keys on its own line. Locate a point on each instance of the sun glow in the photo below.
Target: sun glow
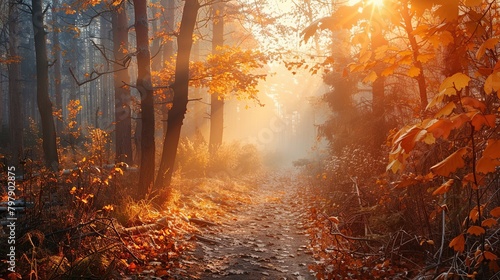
{"x": 376, "y": 3}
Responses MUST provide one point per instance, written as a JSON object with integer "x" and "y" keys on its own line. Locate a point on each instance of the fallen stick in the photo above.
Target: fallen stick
{"x": 202, "y": 222}
{"x": 206, "y": 239}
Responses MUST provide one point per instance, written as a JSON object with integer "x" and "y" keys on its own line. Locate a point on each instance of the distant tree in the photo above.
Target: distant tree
{"x": 217, "y": 99}
{"x": 123, "y": 123}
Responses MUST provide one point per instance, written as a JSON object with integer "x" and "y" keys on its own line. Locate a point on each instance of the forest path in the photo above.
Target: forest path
{"x": 265, "y": 239}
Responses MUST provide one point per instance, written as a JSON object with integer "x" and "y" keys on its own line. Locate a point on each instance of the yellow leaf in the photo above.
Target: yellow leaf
{"x": 451, "y": 163}
{"x": 73, "y": 190}
{"x": 487, "y": 45}
{"x": 425, "y": 57}
{"x": 446, "y": 110}
{"x": 444, "y": 188}
{"x": 370, "y": 78}
{"x": 476, "y": 230}
{"x": 389, "y": 70}
{"x": 458, "y": 243}
{"x": 490, "y": 222}
{"x": 394, "y": 166}
{"x": 429, "y": 139}
{"x": 492, "y": 83}
{"x": 413, "y": 71}
{"x": 458, "y": 80}
{"x": 495, "y": 212}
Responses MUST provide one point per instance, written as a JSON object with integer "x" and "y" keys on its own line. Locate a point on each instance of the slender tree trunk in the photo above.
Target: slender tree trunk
{"x": 422, "y": 87}
{"x": 42, "y": 80}
{"x": 181, "y": 89}
{"x": 378, "y": 98}
{"x": 15, "y": 111}
{"x": 145, "y": 88}
{"x": 217, "y": 100}
{"x": 123, "y": 121}
{"x": 57, "y": 67}
{"x": 168, "y": 49}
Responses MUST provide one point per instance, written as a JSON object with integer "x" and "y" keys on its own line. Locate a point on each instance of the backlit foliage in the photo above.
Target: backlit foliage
{"x": 229, "y": 72}
{"x": 443, "y": 159}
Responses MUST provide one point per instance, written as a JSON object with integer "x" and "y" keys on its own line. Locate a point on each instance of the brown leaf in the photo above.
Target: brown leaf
{"x": 458, "y": 243}
{"x": 444, "y": 188}
{"x": 476, "y": 230}
{"x": 451, "y": 163}
{"x": 490, "y": 222}
{"x": 495, "y": 212}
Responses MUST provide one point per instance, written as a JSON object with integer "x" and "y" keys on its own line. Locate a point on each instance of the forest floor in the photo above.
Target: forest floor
{"x": 262, "y": 238}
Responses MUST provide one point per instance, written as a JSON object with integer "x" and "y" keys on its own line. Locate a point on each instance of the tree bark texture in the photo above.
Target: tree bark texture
{"x": 42, "y": 80}
{"x": 15, "y": 111}
{"x": 181, "y": 89}
{"x": 123, "y": 121}
{"x": 145, "y": 88}
{"x": 217, "y": 100}
{"x": 57, "y": 67}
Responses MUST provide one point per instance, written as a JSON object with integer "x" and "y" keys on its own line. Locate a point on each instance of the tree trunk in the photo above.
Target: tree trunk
{"x": 145, "y": 88}
{"x": 217, "y": 100}
{"x": 15, "y": 111}
{"x": 168, "y": 48}
{"x": 180, "y": 87}
{"x": 42, "y": 80}
{"x": 378, "y": 98}
{"x": 123, "y": 121}
{"x": 57, "y": 67}
{"x": 422, "y": 87}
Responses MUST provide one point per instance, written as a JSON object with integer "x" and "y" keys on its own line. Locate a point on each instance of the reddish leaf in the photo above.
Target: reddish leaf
{"x": 476, "y": 230}
{"x": 451, "y": 163}
{"x": 490, "y": 256}
{"x": 492, "y": 149}
{"x": 440, "y": 128}
{"x": 490, "y": 222}
{"x": 495, "y": 212}
{"x": 458, "y": 243}
{"x": 480, "y": 120}
{"x": 444, "y": 188}
{"x": 487, "y": 165}
{"x": 473, "y": 103}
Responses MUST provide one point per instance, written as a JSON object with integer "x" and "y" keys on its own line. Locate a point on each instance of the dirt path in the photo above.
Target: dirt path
{"x": 265, "y": 239}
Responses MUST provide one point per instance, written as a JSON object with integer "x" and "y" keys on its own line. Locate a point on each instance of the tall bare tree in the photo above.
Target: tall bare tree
{"x": 42, "y": 80}
{"x": 145, "y": 87}
{"x": 15, "y": 113}
{"x": 181, "y": 89}
{"x": 123, "y": 123}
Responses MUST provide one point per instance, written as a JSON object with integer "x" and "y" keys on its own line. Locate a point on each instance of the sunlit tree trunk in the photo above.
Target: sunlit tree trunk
{"x": 422, "y": 87}
{"x": 217, "y": 100}
{"x": 145, "y": 88}
{"x": 15, "y": 113}
{"x": 42, "y": 79}
{"x": 168, "y": 49}
{"x": 123, "y": 123}
{"x": 180, "y": 87}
